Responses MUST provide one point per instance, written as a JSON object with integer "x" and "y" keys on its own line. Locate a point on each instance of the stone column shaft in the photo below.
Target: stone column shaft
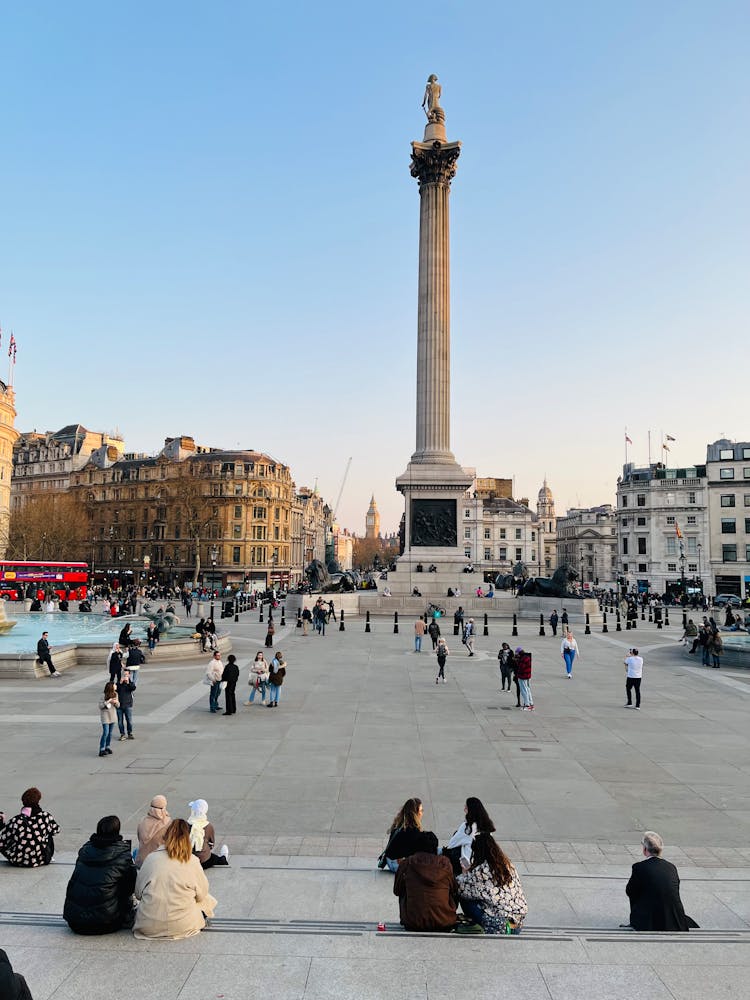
{"x": 434, "y": 165}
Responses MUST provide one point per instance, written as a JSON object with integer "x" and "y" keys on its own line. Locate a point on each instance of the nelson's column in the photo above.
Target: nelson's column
{"x": 433, "y": 483}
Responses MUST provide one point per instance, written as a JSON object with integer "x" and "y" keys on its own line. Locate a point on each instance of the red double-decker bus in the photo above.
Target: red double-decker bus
{"x": 21, "y": 579}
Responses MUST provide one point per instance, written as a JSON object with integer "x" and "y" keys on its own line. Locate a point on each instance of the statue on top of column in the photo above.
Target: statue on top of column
{"x": 431, "y": 100}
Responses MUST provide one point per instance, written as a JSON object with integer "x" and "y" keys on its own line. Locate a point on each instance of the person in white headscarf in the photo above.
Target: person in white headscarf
{"x": 152, "y": 828}
{"x": 203, "y": 837}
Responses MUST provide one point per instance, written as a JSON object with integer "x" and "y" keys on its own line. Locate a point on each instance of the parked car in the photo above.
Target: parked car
{"x": 723, "y": 599}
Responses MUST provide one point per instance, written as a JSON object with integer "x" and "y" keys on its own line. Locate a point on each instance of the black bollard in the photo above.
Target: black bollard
{"x": 650, "y": 614}
{"x": 635, "y": 620}
{"x": 236, "y": 610}
{"x": 627, "y": 623}
{"x": 260, "y": 618}
{"x": 299, "y": 617}
{"x": 367, "y": 623}
{"x": 515, "y": 626}
{"x": 684, "y": 619}
{"x": 341, "y": 621}
{"x": 587, "y": 630}
{"x": 283, "y": 612}
{"x": 541, "y": 625}
{"x": 619, "y": 626}
{"x": 425, "y": 618}
{"x": 604, "y": 622}
{"x": 643, "y": 614}
{"x": 455, "y": 628}
{"x": 666, "y": 616}
{"x": 486, "y": 629}
{"x": 395, "y": 622}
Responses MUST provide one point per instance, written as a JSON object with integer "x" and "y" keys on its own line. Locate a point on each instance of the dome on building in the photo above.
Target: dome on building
{"x": 545, "y": 494}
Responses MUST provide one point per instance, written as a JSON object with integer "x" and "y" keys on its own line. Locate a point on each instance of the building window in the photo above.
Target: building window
{"x": 691, "y": 518}
{"x": 641, "y": 522}
{"x": 467, "y": 532}
{"x": 502, "y": 554}
{"x": 642, "y": 568}
{"x": 692, "y": 546}
{"x": 727, "y": 500}
{"x": 624, "y": 546}
{"x": 486, "y": 532}
{"x": 747, "y": 553}
{"x": 671, "y": 548}
{"x": 747, "y": 525}
{"x": 519, "y": 555}
{"x": 488, "y": 554}
{"x": 692, "y": 567}
{"x": 518, "y": 533}
{"x": 235, "y": 553}
{"x": 467, "y": 553}
{"x": 746, "y": 452}
{"x": 624, "y": 501}
{"x": 237, "y": 511}
{"x": 726, "y": 473}
{"x": 236, "y": 531}
{"x": 467, "y": 512}
{"x": 624, "y": 522}
{"x": 726, "y": 454}
{"x": 691, "y": 497}
{"x": 641, "y": 499}
{"x": 259, "y": 513}
{"x": 641, "y": 546}
{"x": 671, "y": 567}
{"x": 503, "y": 532}
{"x": 624, "y": 567}
{"x": 670, "y": 519}
{"x": 746, "y": 473}
{"x": 728, "y": 526}
{"x": 729, "y": 553}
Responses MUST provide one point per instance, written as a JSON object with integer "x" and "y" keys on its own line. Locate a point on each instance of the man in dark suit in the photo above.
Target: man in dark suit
{"x": 654, "y": 891}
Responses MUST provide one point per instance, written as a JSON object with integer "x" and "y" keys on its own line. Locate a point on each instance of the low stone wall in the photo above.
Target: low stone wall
{"x": 730, "y": 658}
{"x": 24, "y": 665}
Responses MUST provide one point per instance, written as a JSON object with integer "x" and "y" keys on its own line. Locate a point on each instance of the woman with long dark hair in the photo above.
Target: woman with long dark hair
{"x": 476, "y": 820}
{"x": 490, "y": 891}
{"x": 404, "y": 833}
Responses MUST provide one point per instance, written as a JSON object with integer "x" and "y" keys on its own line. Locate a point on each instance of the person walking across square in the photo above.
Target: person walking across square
{"x": 522, "y": 661}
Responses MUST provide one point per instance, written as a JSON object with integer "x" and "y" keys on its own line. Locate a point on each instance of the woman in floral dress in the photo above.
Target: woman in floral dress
{"x": 27, "y": 839}
{"x": 490, "y": 890}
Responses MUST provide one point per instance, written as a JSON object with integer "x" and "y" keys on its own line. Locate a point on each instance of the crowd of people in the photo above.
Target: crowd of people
{"x": 158, "y": 889}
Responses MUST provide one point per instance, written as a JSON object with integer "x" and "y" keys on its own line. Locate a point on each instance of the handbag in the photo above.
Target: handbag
{"x": 382, "y": 862}
{"x": 454, "y": 856}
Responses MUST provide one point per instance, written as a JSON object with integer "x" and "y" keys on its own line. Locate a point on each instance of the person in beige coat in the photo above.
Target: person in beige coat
{"x": 172, "y": 889}
{"x": 108, "y": 705}
{"x": 152, "y": 828}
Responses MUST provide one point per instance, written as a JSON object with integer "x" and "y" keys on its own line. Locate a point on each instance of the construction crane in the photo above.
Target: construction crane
{"x": 343, "y": 484}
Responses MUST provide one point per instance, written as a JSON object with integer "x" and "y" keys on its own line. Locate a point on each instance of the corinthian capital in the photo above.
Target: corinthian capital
{"x": 434, "y": 162}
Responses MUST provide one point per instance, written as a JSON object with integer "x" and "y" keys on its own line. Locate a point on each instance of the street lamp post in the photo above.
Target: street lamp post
{"x": 700, "y": 579}
{"x": 682, "y": 577}
{"x": 214, "y": 557}
{"x": 581, "y": 574}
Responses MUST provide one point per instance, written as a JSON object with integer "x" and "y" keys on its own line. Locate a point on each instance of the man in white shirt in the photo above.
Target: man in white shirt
{"x": 634, "y": 668}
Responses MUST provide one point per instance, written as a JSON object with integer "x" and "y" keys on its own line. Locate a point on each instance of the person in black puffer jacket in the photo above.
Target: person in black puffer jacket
{"x": 98, "y": 899}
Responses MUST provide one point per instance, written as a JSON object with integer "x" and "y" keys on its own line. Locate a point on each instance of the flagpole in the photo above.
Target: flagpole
{"x": 626, "y": 446}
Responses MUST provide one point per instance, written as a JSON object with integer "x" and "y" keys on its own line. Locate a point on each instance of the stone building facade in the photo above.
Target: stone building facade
{"x": 728, "y": 475}
{"x": 190, "y": 513}
{"x": 43, "y": 463}
{"x": 662, "y": 528}
{"x": 497, "y": 534}
{"x": 587, "y": 542}
{"x": 8, "y": 437}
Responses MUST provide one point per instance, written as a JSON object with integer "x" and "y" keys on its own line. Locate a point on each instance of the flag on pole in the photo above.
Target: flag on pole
{"x": 12, "y": 347}
{"x": 628, "y": 440}
{"x": 677, "y": 530}
{"x": 665, "y": 447}
{"x": 670, "y": 438}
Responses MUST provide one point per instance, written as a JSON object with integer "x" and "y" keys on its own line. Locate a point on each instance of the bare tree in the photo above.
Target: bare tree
{"x": 51, "y": 527}
{"x": 194, "y": 505}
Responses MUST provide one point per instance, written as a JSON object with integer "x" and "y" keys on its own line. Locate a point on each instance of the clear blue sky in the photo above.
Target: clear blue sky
{"x": 209, "y": 228}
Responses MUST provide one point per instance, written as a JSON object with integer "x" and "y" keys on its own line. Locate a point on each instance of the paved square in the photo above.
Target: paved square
{"x": 303, "y": 792}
